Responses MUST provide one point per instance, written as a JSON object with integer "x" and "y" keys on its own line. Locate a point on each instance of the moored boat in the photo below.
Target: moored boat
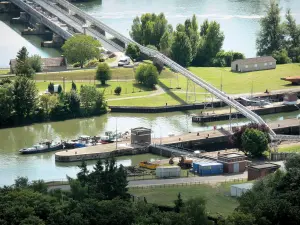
{"x": 46, "y": 146}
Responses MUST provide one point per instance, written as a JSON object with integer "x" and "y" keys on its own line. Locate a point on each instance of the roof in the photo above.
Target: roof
{"x": 211, "y": 164}
{"x": 265, "y": 166}
{"x": 247, "y": 186}
{"x": 141, "y": 129}
{"x": 262, "y": 59}
{"x": 231, "y": 155}
{"x": 46, "y": 62}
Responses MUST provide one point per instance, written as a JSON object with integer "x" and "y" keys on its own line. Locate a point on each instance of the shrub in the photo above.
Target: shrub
{"x": 51, "y": 88}
{"x": 281, "y": 57}
{"x": 147, "y": 75}
{"x": 76, "y": 65}
{"x": 103, "y": 73}
{"x": 133, "y": 51}
{"x": 92, "y": 63}
{"x": 118, "y": 90}
{"x": 59, "y": 89}
{"x": 35, "y": 62}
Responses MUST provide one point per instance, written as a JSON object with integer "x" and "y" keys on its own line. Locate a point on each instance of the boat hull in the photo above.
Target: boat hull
{"x": 54, "y": 148}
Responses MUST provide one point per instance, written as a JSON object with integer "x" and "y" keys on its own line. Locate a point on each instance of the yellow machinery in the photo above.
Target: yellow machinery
{"x": 148, "y": 165}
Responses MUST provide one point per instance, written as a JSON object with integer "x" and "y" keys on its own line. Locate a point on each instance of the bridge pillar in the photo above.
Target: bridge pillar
{"x": 98, "y": 29}
{"x": 38, "y": 29}
{"x": 119, "y": 42}
{"x": 24, "y": 18}
{"x": 57, "y": 42}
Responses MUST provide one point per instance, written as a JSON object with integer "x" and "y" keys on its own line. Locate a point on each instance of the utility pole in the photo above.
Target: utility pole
{"x": 116, "y": 133}
{"x": 252, "y": 88}
{"x": 187, "y": 87}
{"x": 63, "y": 83}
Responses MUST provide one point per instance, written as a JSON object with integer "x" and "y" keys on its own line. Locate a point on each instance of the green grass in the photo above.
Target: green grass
{"x": 292, "y": 148}
{"x": 217, "y": 198}
{"x": 4, "y": 71}
{"x": 110, "y": 60}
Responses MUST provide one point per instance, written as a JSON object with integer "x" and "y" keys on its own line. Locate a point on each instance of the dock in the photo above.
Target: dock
{"x": 207, "y": 140}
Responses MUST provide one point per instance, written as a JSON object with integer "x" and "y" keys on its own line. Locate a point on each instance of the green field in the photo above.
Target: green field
{"x": 4, "y": 71}
{"x": 217, "y": 198}
{"x": 292, "y": 148}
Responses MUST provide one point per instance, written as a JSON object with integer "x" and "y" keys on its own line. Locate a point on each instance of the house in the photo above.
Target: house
{"x": 253, "y": 64}
{"x": 261, "y": 170}
{"x": 236, "y": 190}
{"x": 233, "y": 162}
{"x": 141, "y": 135}
{"x": 48, "y": 64}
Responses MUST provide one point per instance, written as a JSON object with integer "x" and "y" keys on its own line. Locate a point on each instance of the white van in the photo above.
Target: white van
{"x": 125, "y": 60}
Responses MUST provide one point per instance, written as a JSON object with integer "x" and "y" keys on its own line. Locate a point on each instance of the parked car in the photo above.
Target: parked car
{"x": 125, "y": 60}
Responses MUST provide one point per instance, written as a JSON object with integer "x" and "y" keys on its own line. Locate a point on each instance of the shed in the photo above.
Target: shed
{"x": 236, "y": 190}
{"x": 140, "y": 135}
{"x": 233, "y": 162}
{"x": 253, "y": 64}
{"x": 261, "y": 170}
{"x": 48, "y": 64}
{"x": 290, "y": 99}
{"x": 168, "y": 171}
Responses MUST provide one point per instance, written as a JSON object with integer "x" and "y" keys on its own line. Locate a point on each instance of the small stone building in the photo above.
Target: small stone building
{"x": 233, "y": 162}
{"x": 48, "y": 64}
{"x": 261, "y": 170}
{"x": 253, "y": 64}
{"x": 290, "y": 99}
{"x": 141, "y": 135}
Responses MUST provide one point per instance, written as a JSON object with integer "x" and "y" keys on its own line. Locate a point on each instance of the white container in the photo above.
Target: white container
{"x": 236, "y": 190}
{"x": 168, "y": 171}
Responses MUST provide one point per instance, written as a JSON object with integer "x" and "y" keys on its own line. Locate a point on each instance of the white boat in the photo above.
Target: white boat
{"x": 46, "y": 146}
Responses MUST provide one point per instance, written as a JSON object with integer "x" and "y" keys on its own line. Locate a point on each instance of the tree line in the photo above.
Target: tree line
{"x": 187, "y": 45}
{"x": 101, "y": 196}
{"x": 21, "y": 102}
{"x": 279, "y": 39}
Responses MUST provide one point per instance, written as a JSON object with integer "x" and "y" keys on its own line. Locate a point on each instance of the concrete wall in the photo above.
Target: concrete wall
{"x": 251, "y": 66}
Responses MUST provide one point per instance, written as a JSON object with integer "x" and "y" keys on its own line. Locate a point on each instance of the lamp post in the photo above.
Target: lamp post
{"x": 63, "y": 78}
{"x": 116, "y": 133}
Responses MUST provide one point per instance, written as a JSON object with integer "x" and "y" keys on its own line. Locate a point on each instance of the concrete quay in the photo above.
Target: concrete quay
{"x": 212, "y": 140}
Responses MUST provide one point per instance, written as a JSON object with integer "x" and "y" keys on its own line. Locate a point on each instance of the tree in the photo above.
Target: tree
{"x": 25, "y": 97}
{"x": 147, "y": 75}
{"x": 73, "y": 88}
{"x": 48, "y": 102}
{"x": 204, "y": 28}
{"x": 59, "y": 89}
{"x": 191, "y": 30}
{"x": 181, "y": 49}
{"x": 152, "y": 47}
{"x": 270, "y": 38}
{"x": 239, "y": 218}
{"x": 21, "y": 182}
{"x": 292, "y": 162}
{"x": 23, "y": 67}
{"x": 7, "y": 102}
{"x": 103, "y": 73}
{"x": 72, "y": 100}
{"x": 22, "y": 55}
{"x": 35, "y": 63}
{"x": 81, "y": 48}
{"x": 133, "y": 51}
{"x": 51, "y": 88}
{"x": 254, "y": 142}
{"x": 281, "y": 56}
{"x": 165, "y": 43}
{"x": 91, "y": 99}
{"x": 118, "y": 90}
{"x": 178, "y": 203}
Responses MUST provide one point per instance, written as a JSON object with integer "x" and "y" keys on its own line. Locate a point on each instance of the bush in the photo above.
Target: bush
{"x": 103, "y": 73}
{"x": 76, "y": 65}
{"x": 147, "y": 75}
{"x": 133, "y": 51}
{"x": 92, "y": 63}
{"x": 51, "y": 88}
{"x": 281, "y": 57}
{"x": 118, "y": 90}
{"x": 5, "y": 80}
{"x": 59, "y": 89}
{"x": 254, "y": 142}
{"x": 35, "y": 62}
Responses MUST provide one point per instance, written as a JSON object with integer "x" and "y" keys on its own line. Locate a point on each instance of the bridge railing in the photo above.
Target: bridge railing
{"x": 46, "y": 21}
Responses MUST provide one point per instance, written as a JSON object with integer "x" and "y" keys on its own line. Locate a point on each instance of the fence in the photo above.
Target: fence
{"x": 277, "y": 156}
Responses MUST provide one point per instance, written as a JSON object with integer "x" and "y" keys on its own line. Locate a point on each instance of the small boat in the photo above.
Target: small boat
{"x": 82, "y": 141}
{"x": 106, "y": 140}
{"x": 46, "y": 146}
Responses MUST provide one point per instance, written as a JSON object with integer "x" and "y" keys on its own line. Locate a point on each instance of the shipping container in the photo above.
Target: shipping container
{"x": 168, "y": 171}
{"x": 206, "y": 169}
{"x": 195, "y": 167}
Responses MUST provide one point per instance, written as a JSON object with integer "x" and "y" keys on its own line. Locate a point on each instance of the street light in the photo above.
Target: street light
{"x": 63, "y": 83}
{"x": 116, "y": 133}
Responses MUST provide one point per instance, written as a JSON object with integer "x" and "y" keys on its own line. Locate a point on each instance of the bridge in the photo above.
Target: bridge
{"x": 65, "y": 20}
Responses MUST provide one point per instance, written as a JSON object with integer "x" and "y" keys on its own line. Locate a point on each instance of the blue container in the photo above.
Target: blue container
{"x": 207, "y": 169}
{"x": 195, "y": 167}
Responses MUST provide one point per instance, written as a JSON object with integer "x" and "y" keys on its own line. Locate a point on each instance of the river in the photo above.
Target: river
{"x": 239, "y": 20}
{"x": 43, "y": 166}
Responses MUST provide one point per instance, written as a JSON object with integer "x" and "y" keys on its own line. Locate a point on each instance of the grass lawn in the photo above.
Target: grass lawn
{"x": 289, "y": 148}
{"x": 217, "y": 198}
{"x": 4, "y": 71}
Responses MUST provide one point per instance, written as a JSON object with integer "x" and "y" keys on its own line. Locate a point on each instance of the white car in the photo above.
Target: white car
{"x": 125, "y": 60}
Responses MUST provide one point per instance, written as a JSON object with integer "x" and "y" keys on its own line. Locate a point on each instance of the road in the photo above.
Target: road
{"x": 153, "y": 182}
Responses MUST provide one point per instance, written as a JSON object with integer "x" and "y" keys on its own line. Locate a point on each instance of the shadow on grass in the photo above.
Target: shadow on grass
{"x": 141, "y": 87}
{"x": 103, "y": 86}
{"x": 171, "y": 94}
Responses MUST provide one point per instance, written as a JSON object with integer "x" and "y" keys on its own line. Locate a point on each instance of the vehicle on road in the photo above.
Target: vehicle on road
{"x": 125, "y": 60}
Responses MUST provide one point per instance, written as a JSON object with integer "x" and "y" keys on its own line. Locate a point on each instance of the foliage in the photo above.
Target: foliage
{"x": 7, "y": 102}
{"x": 22, "y": 55}
{"x": 74, "y": 87}
{"x": 25, "y": 97}
{"x": 158, "y": 64}
{"x": 118, "y": 90}
{"x": 92, "y": 63}
{"x": 5, "y": 80}
{"x": 91, "y": 99}
{"x": 81, "y": 48}
{"x": 51, "y": 88}
{"x": 48, "y": 102}
{"x": 181, "y": 49}
{"x": 103, "y": 73}
{"x": 35, "y": 63}
{"x": 59, "y": 89}
{"x": 270, "y": 36}
{"x": 254, "y": 142}
{"x": 23, "y": 67}
{"x": 178, "y": 203}
{"x": 147, "y": 75}
{"x": 133, "y": 51}
{"x": 236, "y": 138}
{"x": 228, "y": 57}
{"x": 152, "y": 47}
{"x": 149, "y": 29}
{"x": 212, "y": 39}
{"x": 165, "y": 43}
{"x": 292, "y": 162}
{"x": 281, "y": 56}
